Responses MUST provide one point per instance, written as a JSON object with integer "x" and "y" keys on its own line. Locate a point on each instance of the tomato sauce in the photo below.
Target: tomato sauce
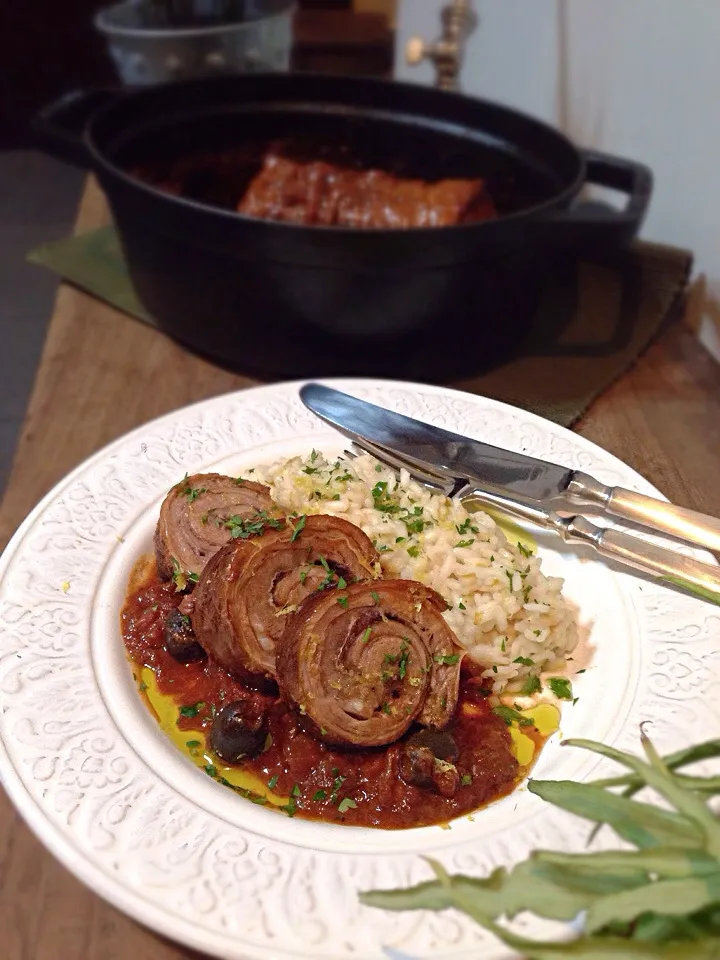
{"x": 356, "y": 787}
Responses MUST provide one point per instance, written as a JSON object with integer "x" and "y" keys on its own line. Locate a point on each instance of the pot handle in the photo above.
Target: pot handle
{"x": 59, "y": 127}
{"x": 595, "y": 224}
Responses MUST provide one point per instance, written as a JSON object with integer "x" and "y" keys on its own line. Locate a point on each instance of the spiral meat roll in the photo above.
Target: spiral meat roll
{"x": 246, "y": 593}
{"x": 363, "y": 670}
{"x": 200, "y": 514}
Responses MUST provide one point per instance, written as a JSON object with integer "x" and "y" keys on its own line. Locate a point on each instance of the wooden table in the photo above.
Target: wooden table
{"x": 103, "y": 374}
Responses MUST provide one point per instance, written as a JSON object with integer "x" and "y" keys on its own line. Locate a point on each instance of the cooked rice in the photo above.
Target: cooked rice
{"x": 502, "y": 607}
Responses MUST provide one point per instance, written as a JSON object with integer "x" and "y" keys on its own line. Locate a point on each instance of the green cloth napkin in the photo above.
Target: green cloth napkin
{"x": 591, "y": 328}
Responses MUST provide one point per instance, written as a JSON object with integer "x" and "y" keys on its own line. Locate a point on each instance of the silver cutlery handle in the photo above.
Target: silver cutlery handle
{"x": 702, "y": 579}
{"x": 665, "y": 518}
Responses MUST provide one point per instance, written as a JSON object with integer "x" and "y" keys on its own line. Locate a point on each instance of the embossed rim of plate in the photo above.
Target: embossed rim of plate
{"x": 202, "y": 880}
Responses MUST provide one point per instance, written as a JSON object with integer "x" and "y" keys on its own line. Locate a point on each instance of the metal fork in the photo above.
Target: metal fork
{"x": 667, "y": 566}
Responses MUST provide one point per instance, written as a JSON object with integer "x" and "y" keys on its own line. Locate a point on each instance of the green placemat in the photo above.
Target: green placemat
{"x": 593, "y": 325}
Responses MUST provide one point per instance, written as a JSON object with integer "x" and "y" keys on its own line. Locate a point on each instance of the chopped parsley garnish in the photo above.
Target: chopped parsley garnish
{"x": 525, "y": 661}
{"x": 342, "y": 583}
{"x": 323, "y": 731}
{"x": 509, "y": 715}
{"x": 310, "y": 470}
{"x": 142, "y": 686}
{"x": 403, "y": 661}
{"x": 295, "y": 792}
{"x": 561, "y": 687}
{"x": 210, "y": 770}
{"x": 466, "y": 779}
{"x": 532, "y": 685}
{"x": 272, "y": 782}
{"x": 386, "y": 709}
{"x": 303, "y": 575}
{"x": 337, "y": 783}
{"x": 245, "y": 527}
{"x": 581, "y": 671}
{"x": 495, "y": 669}
{"x": 299, "y": 527}
{"x": 320, "y": 795}
{"x": 180, "y": 578}
{"x": 239, "y": 481}
{"x": 376, "y": 598}
{"x": 525, "y": 551}
{"x": 343, "y": 601}
{"x": 347, "y": 803}
{"x": 465, "y": 543}
{"x": 526, "y": 593}
{"x": 466, "y": 527}
{"x": 290, "y": 807}
{"x": 366, "y": 635}
{"x": 192, "y": 709}
{"x": 447, "y": 659}
{"x": 192, "y": 493}
{"x": 314, "y": 455}
{"x": 503, "y": 644}
{"x": 537, "y": 632}
{"x": 461, "y": 606}
{"x": 414, "y": 551}
{"x": 193, "y": 744}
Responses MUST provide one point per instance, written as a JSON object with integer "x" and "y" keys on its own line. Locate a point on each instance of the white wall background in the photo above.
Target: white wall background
{"x": 639, "y": 78}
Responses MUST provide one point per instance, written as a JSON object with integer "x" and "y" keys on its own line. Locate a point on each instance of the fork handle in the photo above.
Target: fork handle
{"x": 696, "y": 528}
{"x": 668, "y": 566}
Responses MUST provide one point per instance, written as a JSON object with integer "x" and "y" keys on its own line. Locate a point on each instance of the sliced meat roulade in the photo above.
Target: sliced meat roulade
{"x": 362, "y": 671}
{"x": 203, "y": 512}
{"x": 242, "y": 602}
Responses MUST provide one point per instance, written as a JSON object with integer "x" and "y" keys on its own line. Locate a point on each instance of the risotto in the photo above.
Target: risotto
{"x": 513, "y": 620}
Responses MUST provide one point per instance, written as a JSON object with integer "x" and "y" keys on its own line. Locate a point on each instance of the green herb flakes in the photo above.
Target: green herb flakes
{"x": 466, "y": 779}
{"x": 447, "y": 659}
{"x": 465, "y": 543}
{"x": 376, "y": 598}
{"x": 366, "y": 635}
{"x": 532, "y": 685}
{"x": 525, "y": 661}
{"x": 347, "y": 803}
{"x": 319, "y": 795}
{"x": 295, "y": 792}
{"x": 272, "y": 782}
{"x": 511, "y": 716}
{"x": 561, "y": 687}
{"x": 210, "y": 770}
{"x": 299, "y": 527}
{"x": 192, "y": 710}
{"x": 343, "y": 601}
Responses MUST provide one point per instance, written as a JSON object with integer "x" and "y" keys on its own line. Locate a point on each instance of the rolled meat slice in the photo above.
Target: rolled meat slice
{"x": 203, "y": 512}
{"x": 241, "y": 605}
{"x": 363, "y": 671}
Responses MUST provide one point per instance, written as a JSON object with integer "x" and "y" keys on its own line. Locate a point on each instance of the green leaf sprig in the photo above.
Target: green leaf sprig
{"x": 660, "y": 901}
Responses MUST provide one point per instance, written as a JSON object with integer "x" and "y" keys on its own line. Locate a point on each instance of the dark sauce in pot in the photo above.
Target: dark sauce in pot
{"x": 298, "y": 774}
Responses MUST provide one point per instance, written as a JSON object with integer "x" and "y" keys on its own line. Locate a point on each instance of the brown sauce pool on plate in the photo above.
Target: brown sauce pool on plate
{"x": 295, "y": 772}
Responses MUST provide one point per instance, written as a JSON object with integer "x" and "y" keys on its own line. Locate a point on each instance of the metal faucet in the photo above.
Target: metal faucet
{"x": 459, "y": 21}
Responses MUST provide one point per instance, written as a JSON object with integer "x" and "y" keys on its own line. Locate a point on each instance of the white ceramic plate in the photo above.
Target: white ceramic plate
{"x": 106, "y": 792}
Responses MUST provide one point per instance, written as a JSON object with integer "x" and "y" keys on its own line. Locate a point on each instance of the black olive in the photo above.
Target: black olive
{"x": 416, "y": 765}
{"x": 180, "y": 640}
{"x": 442, "y": 744}
{"x": 239, "y": 730}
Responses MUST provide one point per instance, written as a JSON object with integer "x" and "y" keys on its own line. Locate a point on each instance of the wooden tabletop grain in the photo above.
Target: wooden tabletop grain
{"x": 102, "y": 374}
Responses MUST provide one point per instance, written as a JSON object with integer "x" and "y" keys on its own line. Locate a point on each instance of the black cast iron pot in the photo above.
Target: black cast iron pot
{"x": 291, "y": 300}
